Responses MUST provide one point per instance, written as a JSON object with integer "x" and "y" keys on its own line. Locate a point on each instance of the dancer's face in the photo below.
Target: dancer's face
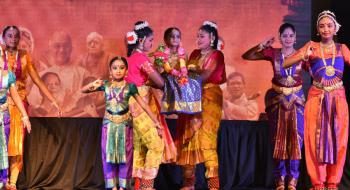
{"x": 326, "y": 28}
{"x": 175, "y": 38}
{"x": 118, "y": 70}
{"x": 203, "y": 39}
{"x": 148, "y": 43}
{"x": 288, "y": 38}
{"x": 11, "y": 38}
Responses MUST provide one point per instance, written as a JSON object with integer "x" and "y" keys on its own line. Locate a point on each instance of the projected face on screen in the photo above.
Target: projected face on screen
{"x": 236, "y": 87}
{"x": 94, "y": 43}
{"x": 60, "y": 48}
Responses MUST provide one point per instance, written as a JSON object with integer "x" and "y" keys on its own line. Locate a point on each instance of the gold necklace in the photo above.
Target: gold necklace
{"x": 330, "y": 71}
{"x": 118, "y": 84}
{"x": 288, "y": 70}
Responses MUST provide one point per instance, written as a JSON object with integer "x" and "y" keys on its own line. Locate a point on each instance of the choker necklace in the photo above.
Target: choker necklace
{"x": 330, "y": 71}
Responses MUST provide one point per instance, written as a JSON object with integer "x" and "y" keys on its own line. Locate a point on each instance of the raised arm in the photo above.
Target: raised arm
{"x": 255, "y": 53}
{"x": 302, "y": 54}
{"x": 92, "y": 87}
{"x": 18, "y": 102}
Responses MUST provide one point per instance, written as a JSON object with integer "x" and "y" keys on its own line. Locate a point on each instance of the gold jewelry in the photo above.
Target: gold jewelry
{"x": 330, "y": 70}
{"x": 118, "y": 84}
{"x": 289, "y": 70}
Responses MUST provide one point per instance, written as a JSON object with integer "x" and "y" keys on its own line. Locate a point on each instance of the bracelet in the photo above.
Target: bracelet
{"x": 25, "y": 117}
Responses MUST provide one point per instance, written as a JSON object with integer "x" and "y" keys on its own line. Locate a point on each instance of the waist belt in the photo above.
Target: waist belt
{"x": 286, "y": 90}
{"x": 118, "y": 118}
{"x": 328, "y": 88}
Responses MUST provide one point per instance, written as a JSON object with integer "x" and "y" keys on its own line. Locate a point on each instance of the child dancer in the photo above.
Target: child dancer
{"x": 181, "y": 93}
{"x": 117, "y": 139}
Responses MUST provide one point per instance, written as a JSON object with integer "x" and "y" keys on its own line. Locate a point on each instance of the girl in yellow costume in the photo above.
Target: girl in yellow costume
{"x": 197, "y": 134}
{"x": 19, "y": 62}
{"x": 149, "y": 149}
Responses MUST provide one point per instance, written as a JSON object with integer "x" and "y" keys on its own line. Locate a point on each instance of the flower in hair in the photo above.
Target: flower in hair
{"x": 221, "y": 45}
{"x": 210, "y": 23}
{"x": 326, "y": 12}
{"x": 142, "y": 25}
{"x": 131, "y": 37}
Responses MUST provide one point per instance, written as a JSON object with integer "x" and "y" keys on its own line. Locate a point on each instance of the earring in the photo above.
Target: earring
{"x": 211, "y": 43}
{"x": 318, "y": 34}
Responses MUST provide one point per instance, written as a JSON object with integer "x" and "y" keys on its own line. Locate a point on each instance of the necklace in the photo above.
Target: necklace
{"x": 330, "y": 71}
{"x": 117, "y": 84}
{"x": 289, "y": 70}
{"x": 17, "y": 66}
{"x": 117, "y": 96}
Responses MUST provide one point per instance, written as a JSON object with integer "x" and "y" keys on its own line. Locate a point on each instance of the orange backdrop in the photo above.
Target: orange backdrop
{"x": 241, "y": 23}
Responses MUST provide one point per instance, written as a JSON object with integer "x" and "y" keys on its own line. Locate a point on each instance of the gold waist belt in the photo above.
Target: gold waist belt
{"x": 328, "y": 88}
{"x": 209, "y": 85}
{"x": 286, "y": 90}
{"x": 118, "y": 118}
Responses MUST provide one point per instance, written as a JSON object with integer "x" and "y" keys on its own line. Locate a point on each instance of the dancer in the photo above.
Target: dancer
{"x": 326, "y": 109}
{"x": 149, "y": 149}
{"x": 197, "y": 134}
{"x": 116, "y": 141}
{"x": 182, "y": 94}
{"x": 285, "y": 105}
{"x": 19, "y": 62}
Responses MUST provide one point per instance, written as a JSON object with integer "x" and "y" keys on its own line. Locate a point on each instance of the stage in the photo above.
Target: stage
{"x": 65, "y": 153}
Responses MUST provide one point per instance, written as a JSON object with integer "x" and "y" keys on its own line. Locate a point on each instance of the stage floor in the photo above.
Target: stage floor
{"x": 65, "y": 153}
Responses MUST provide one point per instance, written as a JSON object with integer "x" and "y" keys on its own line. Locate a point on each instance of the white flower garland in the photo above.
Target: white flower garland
{"x": 210, "y": 23}
{"x": 142, "y": 25}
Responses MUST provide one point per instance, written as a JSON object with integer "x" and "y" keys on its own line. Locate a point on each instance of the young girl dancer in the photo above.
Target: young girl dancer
{"x": 117, "y": 130}
{"x": 326, "y": 109}
{"x": 182, "y": 94}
